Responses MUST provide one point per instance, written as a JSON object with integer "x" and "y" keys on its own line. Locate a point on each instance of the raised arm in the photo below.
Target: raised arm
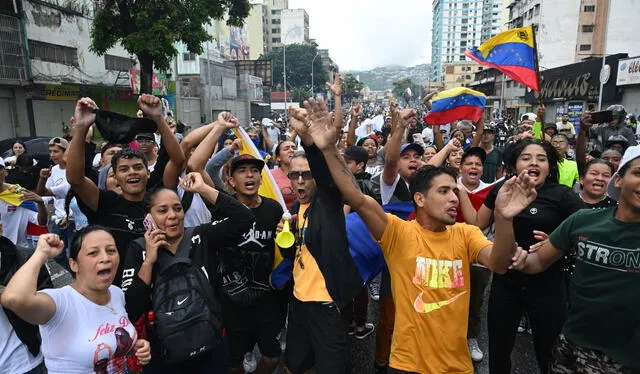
{"x": 478, "y": 135}
{"x": 515, "y": 195}
{"x": 85, "y": 189}
{"x": 441, "y": 157}
{"x": 321, "y": 130}
{"x": 392, "y": 149}
{"x": 21, "y": 295}
{"x": 203, "y": 151}
{"x": 353, "y": 123}
{"x": 438, "y": 141}
{"x": 336, "y": 89}
{"x": 151, "y": 106}
{"x": 581, "y": 142}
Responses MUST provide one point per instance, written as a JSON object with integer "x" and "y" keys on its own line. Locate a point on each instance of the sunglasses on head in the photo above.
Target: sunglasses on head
{"x": 295, "y": 175}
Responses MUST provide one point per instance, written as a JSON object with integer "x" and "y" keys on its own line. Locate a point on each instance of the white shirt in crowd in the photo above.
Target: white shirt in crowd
{"x": 15, "y": 357}
{"x": 427, "y": 135}
{"x": 57, "y": 178}
{"x": 84, "y": 337}
{"x": 14, "y": 220}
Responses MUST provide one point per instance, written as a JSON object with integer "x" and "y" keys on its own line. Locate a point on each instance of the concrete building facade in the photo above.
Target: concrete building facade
{"x": 295, "y": 26}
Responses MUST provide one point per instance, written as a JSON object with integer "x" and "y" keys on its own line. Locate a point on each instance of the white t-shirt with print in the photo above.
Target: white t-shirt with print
{"x": 14, "y": 220}
{"x": 15, "y": 357}
{"x": 58, "y": 178}
{"x": 84, "y": 337}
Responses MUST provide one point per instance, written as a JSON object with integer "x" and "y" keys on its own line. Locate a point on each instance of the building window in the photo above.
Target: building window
{"x": 461, "y": 58}
{"x": 587, "y": 28}
{"x": 467, "y": 77}
{"x": 275, "y": 21}
{"x": 275, "y": 40}
{"x": 536, "y": 9}
{"x": 590, "y": 8}
{"x": 118, "y": 63}
{"x": 585, "y": 47}
{"x": 53, "y": 53}
{"x": 274, "y": 12}
{"x": 276, "y": 31}
{"x": 188, "y": 56}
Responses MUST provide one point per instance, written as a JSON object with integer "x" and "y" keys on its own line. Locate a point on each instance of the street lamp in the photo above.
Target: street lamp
{"x": 312, "y": 61}
{"x": 284, "y": 63}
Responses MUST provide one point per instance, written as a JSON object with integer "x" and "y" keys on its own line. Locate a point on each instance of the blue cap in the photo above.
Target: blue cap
{"x": 415, "y": 146}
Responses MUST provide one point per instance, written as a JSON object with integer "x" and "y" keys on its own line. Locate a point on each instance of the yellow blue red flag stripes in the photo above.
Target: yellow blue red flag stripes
{"x": 513, "y": 52}
{"x": 454, "y": 104}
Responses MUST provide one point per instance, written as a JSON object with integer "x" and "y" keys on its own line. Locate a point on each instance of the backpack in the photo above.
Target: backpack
{"x": 188, "y": 316}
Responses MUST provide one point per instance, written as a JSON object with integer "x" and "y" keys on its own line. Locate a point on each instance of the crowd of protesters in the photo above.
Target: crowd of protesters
{"x": 172, "y": 247}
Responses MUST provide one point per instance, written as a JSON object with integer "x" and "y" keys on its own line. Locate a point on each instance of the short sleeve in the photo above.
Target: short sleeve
{"x": 476, "y": 241}
{"x": 60, "y": 298}
{"x": 392, "y": 235}
{"x": 386, "y": 191}
{"x": 490, "y": 201}
{"x": 562, "y": 237}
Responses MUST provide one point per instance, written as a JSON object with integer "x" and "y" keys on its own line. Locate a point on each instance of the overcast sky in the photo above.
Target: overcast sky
{"x": 363, "y": 34}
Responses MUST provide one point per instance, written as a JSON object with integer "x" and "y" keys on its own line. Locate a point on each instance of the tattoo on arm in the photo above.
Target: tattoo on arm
{"x": 345, "y": 170}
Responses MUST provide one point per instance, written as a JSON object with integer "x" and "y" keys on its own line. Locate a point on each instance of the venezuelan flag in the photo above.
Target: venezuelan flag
{"x": 268, "y": 188}
{"x": 454, "y": 104}
{"x": 512, "y": 52}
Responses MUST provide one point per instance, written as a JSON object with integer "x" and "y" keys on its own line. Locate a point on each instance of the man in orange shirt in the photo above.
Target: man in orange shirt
{"x": 429, "y": 259}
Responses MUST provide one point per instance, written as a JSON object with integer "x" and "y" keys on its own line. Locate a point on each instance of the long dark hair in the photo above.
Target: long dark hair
{"x": 511, "y": 157}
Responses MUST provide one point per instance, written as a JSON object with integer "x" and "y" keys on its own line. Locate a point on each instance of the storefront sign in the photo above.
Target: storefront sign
{"x": 59, "y": 93}
{"x": 628, "y": 71}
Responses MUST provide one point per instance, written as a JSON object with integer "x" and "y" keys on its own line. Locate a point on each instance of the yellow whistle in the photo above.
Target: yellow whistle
{"x": 285, "y": 239}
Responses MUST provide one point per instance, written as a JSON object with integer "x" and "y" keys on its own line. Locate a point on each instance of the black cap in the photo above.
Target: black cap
{"x": 119, "y": 128}
{"x": 475, "y": 151}
{"x": 357, "y": 154}
{"x": 245, "y": 159}
{"x": 146, "y": 135}
{"x": 486, "y": 128}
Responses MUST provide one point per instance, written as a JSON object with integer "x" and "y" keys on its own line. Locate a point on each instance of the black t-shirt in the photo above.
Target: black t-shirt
{"x": 607, "y": 202}
{"x": 245, "y": 268}
{"x": 122, "y": 217}
{"x": 553, "y": 205}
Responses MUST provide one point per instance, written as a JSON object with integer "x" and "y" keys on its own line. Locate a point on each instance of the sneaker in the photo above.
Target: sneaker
{"x": 249, "y": 364}
{"x": 369, "y": 328}
{"x": 374, "y": 290}
{"x": 474, "y": 350}
{"x": 522, "y": 327}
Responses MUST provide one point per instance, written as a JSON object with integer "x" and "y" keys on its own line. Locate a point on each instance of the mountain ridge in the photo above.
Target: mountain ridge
{"x": 382, "y": 77}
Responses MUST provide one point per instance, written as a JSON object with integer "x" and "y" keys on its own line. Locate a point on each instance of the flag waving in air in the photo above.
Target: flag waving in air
{"x": 513, "y": 52}
{"x": 454, "y": 104}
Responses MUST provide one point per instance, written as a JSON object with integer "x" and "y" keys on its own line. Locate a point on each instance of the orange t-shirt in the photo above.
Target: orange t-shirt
{"x": 308, "y": 281}
{"x": 430, "y": 286}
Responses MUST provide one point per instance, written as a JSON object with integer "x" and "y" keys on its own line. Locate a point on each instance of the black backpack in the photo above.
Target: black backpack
{"x": 188, "y": 316}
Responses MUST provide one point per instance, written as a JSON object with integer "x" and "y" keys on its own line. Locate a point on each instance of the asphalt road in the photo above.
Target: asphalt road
{"x": 362, "y": 351}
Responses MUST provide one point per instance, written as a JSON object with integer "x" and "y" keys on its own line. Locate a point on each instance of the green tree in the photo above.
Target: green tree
{"x": 149, "y": 29}
{"x": 401, "y": 85}
{"x": 299, "y": 58}
{"x": 351, "y": 87}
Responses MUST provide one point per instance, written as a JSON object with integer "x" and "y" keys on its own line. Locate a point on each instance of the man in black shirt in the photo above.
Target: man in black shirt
{"x": 251, "y": 307}
{"x": 122, "y": 214}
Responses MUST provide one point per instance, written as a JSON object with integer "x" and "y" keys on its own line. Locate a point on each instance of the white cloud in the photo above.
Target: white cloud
{"x": 364, "y": 34}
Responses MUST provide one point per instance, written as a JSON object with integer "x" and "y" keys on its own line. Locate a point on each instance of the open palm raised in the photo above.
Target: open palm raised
{"x": 515, "y": 195}
{"x": 320, "y": 126}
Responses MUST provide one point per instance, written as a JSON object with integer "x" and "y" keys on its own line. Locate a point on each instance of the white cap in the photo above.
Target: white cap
{"x": 629, "y": 155}
{"x": 531, "y": 116}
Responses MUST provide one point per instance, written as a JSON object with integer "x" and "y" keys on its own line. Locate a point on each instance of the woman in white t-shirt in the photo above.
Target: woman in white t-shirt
{"x": 84, "y": 326}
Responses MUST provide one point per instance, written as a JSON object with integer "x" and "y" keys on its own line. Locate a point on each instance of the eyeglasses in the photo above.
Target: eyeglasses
{"x": 295, "y": 175}
{"x": 558, "y": 142}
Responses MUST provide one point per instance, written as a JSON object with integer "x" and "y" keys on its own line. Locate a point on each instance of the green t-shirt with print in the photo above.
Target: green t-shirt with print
{"x": 604, "y": 311}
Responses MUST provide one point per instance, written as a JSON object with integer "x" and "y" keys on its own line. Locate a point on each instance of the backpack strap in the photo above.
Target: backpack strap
{"x": 182, "y": 255}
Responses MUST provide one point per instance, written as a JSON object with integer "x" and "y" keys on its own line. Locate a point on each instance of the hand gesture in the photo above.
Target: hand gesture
{"x": 151, "y": 106}
{"x": 541, "y": 237}
{"x": 515, "y": 195}
{"x": 236, "y": 146}
{"x": 355, "y": 112}
{"x": 336, "y": 87}
{"x": 586, "y": 122}
{"x": 299, "y": 120}
{"x": 320, "y": 128}
{"x": 519, "y": 259}
{"x": 453, "y": 145}
{"x": 406, "y": 116}
{"x": 192, "y": 182}
{"x": 45, "y": 173}
{"x": 393, "y": 105}
{"x": 83, "y": 117}
{"x": 29, "y": 196}
{"x": 280, "y": 225}
{"x": 143, "y": 351}
{"x": 227, "y": 120}
{"x": 153, "y": 241}
{"x": 49, "y": 245}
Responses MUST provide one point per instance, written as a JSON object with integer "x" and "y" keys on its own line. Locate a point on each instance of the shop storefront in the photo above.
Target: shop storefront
{"x": 572, "y": 89}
